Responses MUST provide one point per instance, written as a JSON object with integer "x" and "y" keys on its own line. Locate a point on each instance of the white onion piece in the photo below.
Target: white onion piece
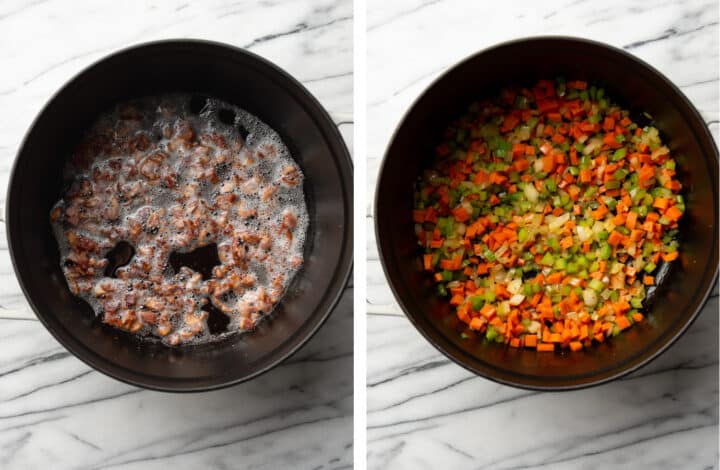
{"x": 514, "y": 286}
{"x": 590, "y": 297}
{"x": 531, "y": 193}
{"x": 584, "y": 233}
{"x": 558, "y": 222}
{"x": 592, "y": 145}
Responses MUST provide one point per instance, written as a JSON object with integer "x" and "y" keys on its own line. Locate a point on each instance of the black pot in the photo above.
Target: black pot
{"x": 235, "y": 76}
{"x": 680, "y": 294}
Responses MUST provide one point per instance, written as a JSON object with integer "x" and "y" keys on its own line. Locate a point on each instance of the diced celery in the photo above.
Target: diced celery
{"x": 547, "y": 259}
{"x": 550, "y": 185}
{"x": 605, "y": 251}
{"x": 618, "y": 155}
{"x": 491, "y": 333}
{"x": 523, "y": 235}
{"x": 596, "y": 285}
{"x": 620, "y": 174}
{"x": 527, "y": 289}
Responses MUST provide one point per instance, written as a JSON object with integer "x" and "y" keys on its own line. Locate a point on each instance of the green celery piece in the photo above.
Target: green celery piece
{"x": 477, "y": 302}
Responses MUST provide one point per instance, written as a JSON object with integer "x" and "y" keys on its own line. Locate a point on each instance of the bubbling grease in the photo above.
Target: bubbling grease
{"x": 163, "y": 177}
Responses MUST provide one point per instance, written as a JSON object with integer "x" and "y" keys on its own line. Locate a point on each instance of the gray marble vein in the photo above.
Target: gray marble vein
{"x": 56, "y": 412}
{"x": 425, "y": 412}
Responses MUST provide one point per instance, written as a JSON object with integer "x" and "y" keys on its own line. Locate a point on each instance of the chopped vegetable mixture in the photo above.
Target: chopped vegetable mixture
{"x": 545, "y": 215}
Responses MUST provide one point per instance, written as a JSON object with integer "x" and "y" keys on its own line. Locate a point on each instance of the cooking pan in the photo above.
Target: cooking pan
{"x": 205, "y": 69}
{"x": 682, "y": 286}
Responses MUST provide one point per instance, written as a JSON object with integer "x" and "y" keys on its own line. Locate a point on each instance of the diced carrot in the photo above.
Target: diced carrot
{"x": 575, "y": 346}
{"x": 427, "y": 262}
{"x": 530, "y": 341}
{"x": 546, "y": 347}
{"x": 615, "y": 238}
{"x": 637, "y": 317}
{"x": 672, "y": 256}
{"x": 481, "y": 177}
{"x": 673, "y": 214}
{"x": 521, "y": 165}
{"x": 515, "y": 342}
{"x": 509, "y": 123}
{"x": 477, "y": 323}
{"x": 631, "y": 220}
{"x": 661, "y": 203}
{"x": 600, "y": 212}
{"x": 583, "y": 332}
{"x": 577, "y": 84}
{"x": 609, "y": 124}
{"x": 585, "y": 175}
{"x": 622, "y": 322}
{"x": 619, "y": 219}
{"x": 460, "y": 214}
{"x": 648, "y": 280}
{"x": 518, "y": 150}
{"x": 566, "y": 242}
{"x": 488, "y": 311}
{"x": 457, "y": 299}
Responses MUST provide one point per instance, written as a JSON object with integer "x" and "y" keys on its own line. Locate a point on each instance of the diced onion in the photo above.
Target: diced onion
{"x": 584, "y": 233}
{"x": 590, "y": 297}
{"x": 531, "y": 193}
{"x": 514, "y": 286}
{"x": 558, "y": 222}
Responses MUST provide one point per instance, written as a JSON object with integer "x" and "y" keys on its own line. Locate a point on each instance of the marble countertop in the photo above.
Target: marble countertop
{"x": 56, "y": 412}
{"x": 426, "y": 412}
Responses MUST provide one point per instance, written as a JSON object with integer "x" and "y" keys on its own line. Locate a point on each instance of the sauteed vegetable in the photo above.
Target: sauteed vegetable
{"x": 545, "y": 215}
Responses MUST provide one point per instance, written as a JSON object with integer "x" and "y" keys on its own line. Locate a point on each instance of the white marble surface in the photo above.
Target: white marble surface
{"x": 426, "y": 412}
{"x": 57, "y": 413}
